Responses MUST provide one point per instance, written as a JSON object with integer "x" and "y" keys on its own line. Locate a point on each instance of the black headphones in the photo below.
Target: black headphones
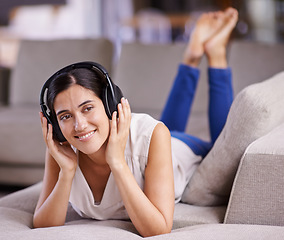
{"x": 111, "y": 94}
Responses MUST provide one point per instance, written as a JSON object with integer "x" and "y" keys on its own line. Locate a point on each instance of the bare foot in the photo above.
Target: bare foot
{"x": 215, "y": 47}
{"x": 206, "y": 26}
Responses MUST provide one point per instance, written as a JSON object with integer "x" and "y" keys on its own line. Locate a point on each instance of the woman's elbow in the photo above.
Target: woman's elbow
{"x": 43, "y": 223}
{"x": 165, "y": 231}
{"x": 158, "y": 231}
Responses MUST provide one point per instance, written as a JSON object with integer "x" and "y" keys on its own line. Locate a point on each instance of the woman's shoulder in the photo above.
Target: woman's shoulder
{"x": 142, "y": 117}
{"x": 141, "y": 130}
{"x": 142, "y": 124}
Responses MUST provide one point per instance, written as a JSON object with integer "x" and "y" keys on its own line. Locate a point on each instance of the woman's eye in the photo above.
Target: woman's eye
{"x": 88, "y": 108}
{"x": 65, "y": 117}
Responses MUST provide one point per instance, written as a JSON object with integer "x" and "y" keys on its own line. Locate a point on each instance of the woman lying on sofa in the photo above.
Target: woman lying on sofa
{"x": 111, "y": 164}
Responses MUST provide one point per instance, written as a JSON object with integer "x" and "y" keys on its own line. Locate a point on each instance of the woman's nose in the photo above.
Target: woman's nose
{"x": 80, "y": 124}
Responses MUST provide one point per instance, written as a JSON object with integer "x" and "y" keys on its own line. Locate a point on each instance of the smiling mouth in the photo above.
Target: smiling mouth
{"x": 85, "y": 136}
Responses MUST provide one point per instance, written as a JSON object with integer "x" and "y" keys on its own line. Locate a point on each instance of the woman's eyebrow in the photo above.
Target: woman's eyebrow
{"x": 60, "y": 112}
{"x": 80, "y": 105}
{"x": 85, "y": 102}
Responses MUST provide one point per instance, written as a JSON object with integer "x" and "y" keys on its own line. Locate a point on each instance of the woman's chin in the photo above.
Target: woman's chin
{"x": 90, "y": 149}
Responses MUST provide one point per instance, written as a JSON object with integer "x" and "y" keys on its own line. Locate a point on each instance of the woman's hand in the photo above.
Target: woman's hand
{"x": 62, "y": 152}
{"x": 119, "y": 131}
{"x": 60, "y": 168}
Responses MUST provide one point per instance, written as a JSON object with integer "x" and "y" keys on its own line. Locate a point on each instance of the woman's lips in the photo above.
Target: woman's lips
{"x": 85, "y": 136}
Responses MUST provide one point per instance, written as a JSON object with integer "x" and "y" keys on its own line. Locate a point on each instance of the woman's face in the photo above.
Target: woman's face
{"x": 82, "y": 118}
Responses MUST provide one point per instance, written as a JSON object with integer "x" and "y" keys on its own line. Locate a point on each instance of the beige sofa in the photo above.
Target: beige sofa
{"x": 236, "y": 193}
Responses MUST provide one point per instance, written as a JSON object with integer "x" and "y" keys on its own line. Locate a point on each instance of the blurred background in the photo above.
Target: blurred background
{"x": 148, "y": 21}
{"x": 120, "y": 21}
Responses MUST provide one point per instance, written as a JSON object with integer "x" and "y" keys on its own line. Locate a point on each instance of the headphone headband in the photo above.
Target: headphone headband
{"x": 87, "y": 65}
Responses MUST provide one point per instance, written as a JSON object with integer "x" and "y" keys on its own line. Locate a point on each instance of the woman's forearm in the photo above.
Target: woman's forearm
{"x": 146, "y": 217}
{"x": 54, "y": 209}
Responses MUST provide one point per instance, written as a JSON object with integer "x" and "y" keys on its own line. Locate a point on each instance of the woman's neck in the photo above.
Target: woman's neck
{"x": 97, "y": 166}
{"x": 98, "y": 158}
{"x": 96, "y": 172}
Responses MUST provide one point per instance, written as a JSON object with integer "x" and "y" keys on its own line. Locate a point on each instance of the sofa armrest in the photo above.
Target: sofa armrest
{"x": 5, "y": 73}
{"x": 257, "y": 195}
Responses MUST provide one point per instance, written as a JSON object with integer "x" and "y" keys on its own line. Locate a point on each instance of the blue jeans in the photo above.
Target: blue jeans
{"x": 177, "y": 109}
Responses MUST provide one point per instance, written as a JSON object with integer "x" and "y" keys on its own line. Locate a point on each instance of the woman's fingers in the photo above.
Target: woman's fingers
{"x": 49, "y": 133}
{"x": 127, "y": 110}
{"x": 120, "y": 112}
{"x": 113, "y": 124}
{"x": 43, "y": 125}
{"x": 124, "y": 114}
{"x": 121, "y": 120}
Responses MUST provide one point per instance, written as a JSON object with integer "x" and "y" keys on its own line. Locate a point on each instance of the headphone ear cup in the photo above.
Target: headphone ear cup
{"x": 110, "y": 102}
{"x": 57, "y": 134}
{"x": 118, "y": 94}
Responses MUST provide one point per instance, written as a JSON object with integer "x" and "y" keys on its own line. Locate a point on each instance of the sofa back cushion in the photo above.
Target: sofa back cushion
{"x": 254, "y": 62}
{"x": 145, "y": 73}
{"x": 39, "y": 59}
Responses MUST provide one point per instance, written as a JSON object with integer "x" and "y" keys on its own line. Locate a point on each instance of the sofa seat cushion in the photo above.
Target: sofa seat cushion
{"x": 16, "y": 212}
{"x": 19, "y": 207}
{"x": 256, "y": 111}
{"x": 15, "y": 224}
{"x": 190, "y": 215}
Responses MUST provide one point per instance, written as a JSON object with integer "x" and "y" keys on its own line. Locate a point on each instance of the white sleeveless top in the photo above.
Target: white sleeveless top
{"x": 136, "y": 155}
